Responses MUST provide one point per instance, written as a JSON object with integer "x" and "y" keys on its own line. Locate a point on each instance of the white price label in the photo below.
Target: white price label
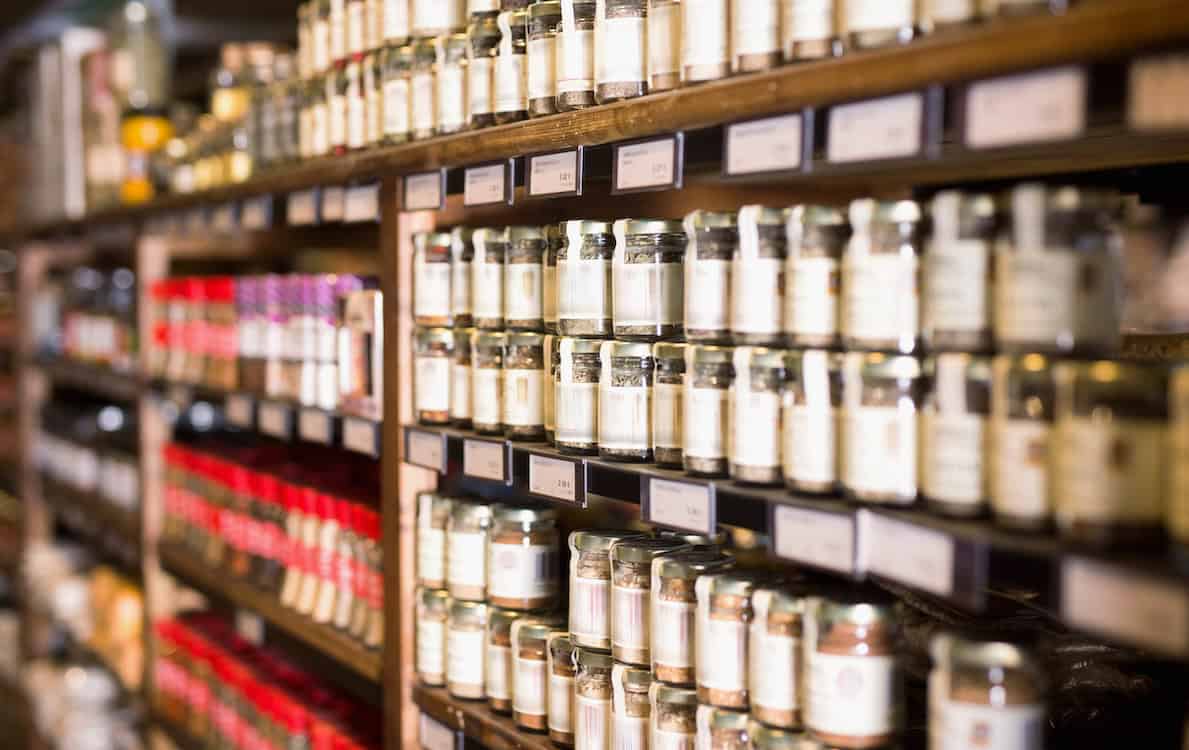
{"x": 552, "y": 477}
{"x": 1030, "y": 108}
{"x": 887, "y": 128}
{"x": 483, "y": 459}
{"x": 249, "y": 626}
{"x": 257, "y": 213}
{"x": 425, "y": 449}
{"x": 303, "y": 208}
{"x": 363, "y": 204}
{"x": 360, "y": 436}
{"x": 423, "y": 192}
{"x": 681, "y": 504}
{"x": 333, "y": 199}
{"x": 196, "y": 221}
{"x": 651, "y": 164}
{"x": 239, "y": 410}
{"x": 485, "y": 185}
{"x": 223, "y": 219}
{"x": 435, "y": 735}
{"x": 826, "y": 540}
{"x": 907, "y": 553}
{"x": 554, "y": 174}
{"x": 1099, "y": 597}
{"x": 274, "y": 419}
{"x": 769, "y": 145}
{"x": 315, "y": 426}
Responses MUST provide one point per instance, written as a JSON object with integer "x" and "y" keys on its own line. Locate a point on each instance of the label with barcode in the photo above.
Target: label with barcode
{"x": 485, "y": 185}
{"x": 315, "y": 426}
{"x": 249, "y": 626}
{"x": 275, "y": 419}
{"x": 826, "y": 540}
{"x": 362, "y": 204}
{"x": 257, "y": 213}
{"x": 332, "y": 203}
{"x": 483, "y": 459}
{"x": 239, "y": 410}
{"x": 654, "y": 164}
{"x": 424, "y": 192}
{"x": 435, "y": 735}
{"x": 559, "y": 173}
{"x": 907, "y": 553}
{"x": 1029, "y": 108}
{"x": 682, "y": 505}
{"x": 772, "y": 144}
{"x": 303, "y": 208}
{"x": 425, "y": 449}
{"x": 361, "y": 436}
{"x": 224, "y": 218}
{"x": 887, "y": 128}
{"x": 1103, "y": 598}
{"x": 552, "y": 477}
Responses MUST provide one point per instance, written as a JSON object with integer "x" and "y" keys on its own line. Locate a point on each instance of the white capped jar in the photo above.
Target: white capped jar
{"x": 673, "y": 608}
{"x": 530, "y": 671}
{"x": 878, "y": 23}
{"x": 810, "y": 29}
{"x": 524, "y": 386}
{"x": 524, "y": 291}
{"x": 462, "y": 253}
{"x": 953, "y": 434}
{"x": 466, "y": 660}
{"x": 1023, "y": 401}
{"x": 490, "y": 250}
{"x": 590, "y": 587}
{"x": 522, "y": 568}
{"x": 879, "y": 276}
{"x": 673, "y": 717}
{"x": 553, "y": 241}
{"x": 755, "y": 443}
{"x": 487, "y": 382}
{"x": 776, "y": 662}
{"x": 562, "y": 713}
{"x": 816, "y": 237}
{"x": 668, "y": 386}
{"x": 433, "y": 514}
{"x": 1178, "y": 444}
{"x": 431, "y": 279}
{"x": 811, "y": 405}
{"x": 484, "y": 38}
{"x": 450, "y": 83}
{"x": 498, "y": 649}
{"x": 549, "y": 392}
{"x": 621, "y": 50}
{"x": 543, "y": 19}
{"x": 647, "y": 294}
{"x": 881, "y": 396}
{"x": 432, "y": 375}
{"x": 721, "y": 635}
{"x": 705, "y": 40}
{"x": 755, "y": 35}
{"x": 432, "y": 612}
{"x": 422, "y": 109}
{"x": 664, "y": 44}
{"x": 511, "y": 68}
{"x": 630, "y": 708}
{"x": 713, "y": 238}
{"x": 592, "y": 704}
{"x": 631, "y": 580}
{"x": 705, "y": 424}
{"x": 577, "y": 395}
{"x": 576, "y": 55}
{"x": 398, "y": 67}
{"x": 956, "y": 301}
{"x": 625, "y": 401}
{"x": 436, "y": 17}
{"x": 466, "y": 550}
{"x": 757, "y": 277}
{"x": 584, "y": 259}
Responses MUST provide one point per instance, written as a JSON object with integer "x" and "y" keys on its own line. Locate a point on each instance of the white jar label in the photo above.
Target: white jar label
{"x": 396, "y": 20}
{"x": 948, "y": 11}
{"x": 577, "y": 412}
{"x": 356, "y": 27}
{"x": 480, "y": 85}
{"x": 433, "y": 384}
{"x": 466, "y": 555}
{"x": 561, "y": 703}
{"x": 881, "y": 297}
{"x": 852, "y": 695}
{"x": 465, "y": 658}
{"x": 319, "y": 129}
{"x": 431, "y": 554}
{"x": 664, "y": 39}
{"x": 667, "y": 415}
{"x": 486, "y": 395}
{"x": 396, "y": 106}
{"x": 881, "y": 450}
{"x": 811, "y": 305}
{"x": 499, "y": 663}
{"x": 725, "y": 652}
{"x": 1108, "y": 471}
{"x": 955, "y": 286}
{"x": 952, "y": 450}
{"x": 460, "y": 288}
{"x": 774, "y": 670}
{"x": 756, "y": 425}
{"x": 1019, "y": 467}
{"x": 621, "y": 50}
{"x": 1047, "y": 295}
{"x": 672, "y": 626}
{"x": 629, "y": 733}
{"x": 629, "y": 617}
{"x": 460, "y": 391}
{"x": 589, "y": 617}
{"x": 542, "y": 73}
{"x": 523, "y": 290}
{"x": 375, "y": 112}
{"x": 321, "y": 45}
{"x": 337, "y": 120}
{"x": 584, "y": 289}
{"x": 431, "y": 651}
{"x": 959, "y": 726}
{"x": 663, "y": 740}
{"x": 524, "y": 404}
{"x": 510, "y": 84}
{"x": 575, "y": 61}
{"x": 422, "y": 104}
{"x": 707, "y": 294}
{"x": 593, "y": 728}
{"x": 625, "y": 419}
{"x": 356, "y": 121}
{"x": 809, "y": 444}
{"x": 868, "y": 15}
{"x": 519, "y": 571}
{"x": 704, "y": 27}
{"x": 755, "y": 26}
{"x": 487, "y": 290}
{"x": 704, "y": 428}
{"x": 808, "y": 20}
{"x": 528, "y": 688}
{"x": 647, "y": 294}
{"x": 451, "y": 96}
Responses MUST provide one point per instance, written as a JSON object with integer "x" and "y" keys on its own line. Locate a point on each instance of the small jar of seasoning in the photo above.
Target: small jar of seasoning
{"x": 466, "y": 550}
{"x": 668, "y": 384}
{"x": 450, "y": 83}
{"x": 774, "y": 647}
{"x": 855, "y": 697}
{"x": 498, "y": 647}
{"x": 625, "y": 401}
{"x": 705, "y": 40}
{"x": 673, "y": 717}
{"x": 336, "y": 110}
{"x": 553, "y": 240}
{"x": 523, "y": 413}
{"x": 319, "y": 117}
{"x": 811, "y": 405}
{"x": 1109, "y": 458}
{"x": 523, "y": 279}
{"x": 398, "y": 69}
{"x": 466, "y": 634}
{"x": 431, "y": 18}
{"x": 462, "y": 253}
{"x": 592, "y": 688}
{"x": 673, "y": 603}
{"x": 511, "y": 73}
{"x": 523, "y": 558}
{"x": 817, "y": 237}
{"x": 879, "y": 23}
{"x": 584, "y": 259}
{"x": 487, "y": 382}
{"x": 709, "y": 372}
{"x": 460, "y": 378}
{"x": 577, "y": 391}
{"x": 484, "y": 39}
{"x": 942, "y": 15}
{"x": 355, "y": 112}
{"x": 1023, "y": 403}
{"x": 543, "y": 19}
{"x": 575, "y": 55}
{"x": 562, "y": 671}
{"x": 373, "y": 87}
{"x": 755, "y": 35}
{"x": 631, "y": 580}
{"x": 590, "y": 587}
{"x": 432, "y": 376}
{"x": 879, "y": 276}
{"x": 548, "y": 389}
{"x": 664, "y": 44}
{"x": 713, "y": 238}
{"x": 757, "y": 277}
{"x": 881, "y": 398}
{"x": 422, "y": 111}
{"x": 724, "y": 611}
{"x": 530, "y": 669}
{"x": 810, "y": 29}
{"x": 647, "y": 292}
{"x": 766, "y": 737}
{"x": 956, "y": 307}
{"x": 630, "y": 707}
{"x": 393, "y": 20}
{"x": 953, "y": 434}
{"x": 433, "y": 609}
{"x": 345, "y": 560}
{"x": 621, "y": 50}
{"x": 721, "y": 728}
{"x": 755, "y": 415}
{"x": 433, "y": 514}
{"x": 490, "y": 248}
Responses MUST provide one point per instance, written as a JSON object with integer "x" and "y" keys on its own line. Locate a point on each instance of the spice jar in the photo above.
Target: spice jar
{"x": 755, "y": 35}
{"x": 621, "y": 50}
{"x": 590, "y": 587}
{"x": 433, "y": 515}
{"x": 631, "y": 571}
{"x": 956, "y": 308}
{"x": 487, "y": 382}
{"x": 721, "y": 637}
{"x": 667, "y": 386}
{"x": 355, "y": 106}
{"x": 543, "y": 19}
{"x": 1109, "y": 452}
{"x": 673, "y": 602}
{"x": 431, "y": 18}
{"x": 433, "y": 609}
{"x": 450, "y": 83}
{"x": 705, "y": 423}
{"x": 313, "y": 532}
{"x": 511, "y": 73}
{"x": 368, "y": 621}
{"x": 942, "y": 15}
{"x": 647, "y": 299}
{"x": 855, "y": 695}
{"x": 523, "y": 412}
{"x": 553, "y": 240}
{"x": 577, "y": 391}
{"x": 466, "y": 550}
{"x": 462, "y": 253}
{"x": 880, "y": 276}
{"x": 816, "y": 237}
{"x": 499, "y": 659}
{"x": 1023, "y": 403}
{"x": 774, "y": 648}
{"x": 811, "y": 407}
{"x": 881, "y": 395}
{"x": 432, "y": 376}
{"x": 562, "y": 671}
{"x": 664, "y": 44}
{"x": 575, "y": 55}
{"x": 1057, "y": 272}
{"x": 721, "y": 729}
{"x": 764, "y": 737}
{"x": 484, "y": 38}
{"x": 398, "y": 69}
{"x": 487, "y": 277}
{"x": 953, "y": 429}
{"x": 328, "y": 543}
{"x": 878, "y": 23}
{"x": 705, "y": 41}
{"x": 810, "y": 29}
{"x": 755, "y": 415}
{"x": 523, "y": 558}
{"x": 592, "y": 688}
{"x": 373, "y": 92}
{"x": 625, "y": 401}
{"x": 345, "y": 559}
{"x": 523, "y": 279}
{"x": 422, "y": 111}
{"x": 673, "y": 717}
{"x": 713, "y": 237}
{"x": 295, "y": 499}
{"x": 548, "y": 389}
{"x": 584, "y": 259}
{"x": 530, "y": 666}
{"x": 460, "y": 378}
{"x": 466, "y": 633}
{"x": 336, "y": 108}
{"x": 630, "y": 707}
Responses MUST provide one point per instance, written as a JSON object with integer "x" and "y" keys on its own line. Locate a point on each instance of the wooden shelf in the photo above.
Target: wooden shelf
{"x": 324, "y": 639}
{"x": 112, "y": 533}
{"x": 93, "y": 379}
{"x": 477, "y": 721}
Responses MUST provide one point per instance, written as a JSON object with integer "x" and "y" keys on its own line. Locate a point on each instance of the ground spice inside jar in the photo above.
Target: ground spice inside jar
{"x": 631, "y": 580}
{"x": 630, "y": 707}
{"x": 590, "y": 587}
{"x": 673, "y": 605}
{"x": 673, "y": 714}
{"x": 625, "y": 401}
{"x": 530, "y": 672}
{"x": 592, "y": 688}
{"x": 466, "y": 631}
{"x": 433, "y": 609}
{"x": 523, "y": 558}
{"x": 775, "y": 672}
{"x": 562, "y": 711}
{"x": 498, "y": 675}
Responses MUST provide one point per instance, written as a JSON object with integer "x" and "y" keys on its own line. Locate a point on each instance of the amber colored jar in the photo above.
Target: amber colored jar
{"x": 673, "y": 605}
{"x": 562, "y": 716}
{"x": 522, "y": 569}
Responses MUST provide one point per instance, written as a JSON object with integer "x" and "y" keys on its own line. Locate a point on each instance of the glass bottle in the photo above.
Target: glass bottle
{"x": 621, "y": 50}
{"x": 433, "y": 354}
{"x": 879, "y": 277}
{"x": 433, "y": 515}
{"x": 553, "y": 242}
{"x": 713, "y": 237}
{"x": 543, "y": 20}
{"x": 584, "y": 260}
{"x": 562, "y": 716}
{"x": 817, "y": 237}
{"x": 398, "y": 67}
{"x": 450, "y": 80}
{"x": 810, "y": 29}
{"x": 524, "y": 279}
{"x": 498, "y": 674}
{"x": 590, "y": 586}
{"x": 530, "y": 660}
{"x": 575, "y": 55}
{"x": 511, "y": 71}
{"x": 432, "y": 18}
{"x": 664, "y": 44}
{"x": 549, "y": 394}
{"x": 625, "y": 401}
{"x": 356, "y": 104}
{"x": 705, "y": 423}
{"x": 336, "y": 108}
{"x": 462, "y": 253}
{"x": 672, "y": 610}
{"x": 776, "y": 672}
{"x": 577, "y": 395}
{"x": 705, "y": 40}
{"x": 460, "y": 378}
{"x": 522, "y": 570}
{"x": 673, "y": 716}
{"x": 647, "y": 295}
{"x": 487, "y": 387}
{"x": 484, "y": 40}
{"x": 432, "y": 611}
{"x": 592, "y": 692}
{"x": 810, "y": 419}
{"x": 630, "y": 709}
{"x": 373, "y": 97}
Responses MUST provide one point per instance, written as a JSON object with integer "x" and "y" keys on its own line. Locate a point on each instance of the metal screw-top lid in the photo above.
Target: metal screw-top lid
{"x": 736, "y": 582}
{"x": 499, "y": 620}
{"x": 626, "y": 349}
{"x": 568, "y": 346}
{"x": 535, "y": 629}
{"x": 489, "y": 237}
{"x": 764, "y": 737}
{"x": 703, "y": 354}
{"x": 961, "y": 651}
{"x": 811, "y": 362}
{"x": 690, "y": 563}
{"x": 585, "y": 226}
{"x": 598, "y": 541}
{"x": 426, "y": 337}
{"x": 643, "y": 549}
{"x": 545, "y": 10}
{"x": 434, "y": 600}
{"x": 560, "y": 646}
{"x": 461, "y": 248}
{"x": 861, "y": 613}
{"x": 593, "y": 659}
{"x": 489, "y": 340}
{"x": 759, "y": 356}
{"x": 524, "y": 338}
{"x": 716, "y": 539}
{"x": 867, "y": 211}
{"x": 518, "y": 235}
{"x": 468, "y": 612}
{"x": 723, "y": 720}
{"x": 812, "y": 214}
{"x": 650, "y": 226}
{"x": 660, "y": 693}
{"x": 701, "y": 220}
{"x": 423, "y": 51}
{"x": 667, "y": 350}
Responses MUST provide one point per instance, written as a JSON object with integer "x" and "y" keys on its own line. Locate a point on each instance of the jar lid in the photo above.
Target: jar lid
{"x": 650, "y": 226}
{"x": 755, "y": 215}
{"x": 489, "y": 339}
{"x": 525, "y": 233}
{"x": 764, "y": 737}
{"x": 567, "y": 346}
{"x": 633, "y": 679}
{"x": 435, "y": 599}
{"x": 890, "y": 366}
{"x": 560, "y": 646}
{"x": 990, "y": 654}
{"x": 812, "y": 214}
{"x": 759, "y": 356}
{"x": 427, "y": 336}
{"x": 464, "y": 512}
{"x": 867, "y": 211}
{"x": 585, "y": 226}
{"x": 643, "y": 549}
{"x": 626, "y": 349}
{"x": 719, "y": 538}
{"x": 733, "y": 583}
{"x": 598, "y": 541}
{"x": 423, "y": 50}
{"x": 778, "y": 599}
{"x": 473, "y": 611}
{"x": 668, "y": 350}
{"x": 811, "y": 361}
{"x": 702, "y": 219}
{"x": 671, "y": 694}
{"x": 401, "y": 54}
{"x": 862, "y": 613}
{"x": 1071, "y": 198}
{"x": 1030, "y": 366}
{"x": 704, "y": 354}
{"x": 951, "y": 210}
{"x": 524, "y": 338}
{"x": 543, "y": 8}
{"x": 593, "y": 659}
{"x": 724, "y": 719}
{"x": 520, "y": 514}
{"x": 484, "y": 236}
{"x": 464, "y": 335}
{"x": 535, "y": 628}
{"x": 689, "y": 563}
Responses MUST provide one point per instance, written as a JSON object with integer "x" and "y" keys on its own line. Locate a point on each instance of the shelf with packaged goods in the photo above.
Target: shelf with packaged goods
{"x": 102, "y": 381}
{"x": 114, "y": 533}
{"x": 477, "y": 721}
{"x": 323, "y": 638}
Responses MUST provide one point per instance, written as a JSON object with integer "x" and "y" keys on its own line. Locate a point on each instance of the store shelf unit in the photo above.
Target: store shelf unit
{"x": 113, "y": 533}
{"x": 476, "y": 721}
{"x": 95, "y": 379}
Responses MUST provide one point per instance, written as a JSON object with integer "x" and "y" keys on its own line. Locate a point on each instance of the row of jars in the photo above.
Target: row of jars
{"x": 1037, "y": 270}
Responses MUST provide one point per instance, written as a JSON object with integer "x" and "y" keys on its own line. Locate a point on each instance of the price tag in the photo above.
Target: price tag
{"x": 887, "y": 128}
{"x": 653, "y": 164}
{"x": 1029, "y": 108}
{"x": 825, "y": 540}
{"x": 907, "y": 553}
{"x": 434, "y": 735}
{"x": 256, "y": 214}
{"x": 424, "y": 449}
{"x": 362, "y": 204}
{"x": 315, "y": 426}
{"x": 238, "y": 408}
{"x": 487, "y": 184}
{"x": 483, "y": 459}
{"x": 249, "y": 626}
{"x": 1140, "y": 609}
{"x": 196, "y": 221}
{"x": 303, "y": 208}
{"x": 553, "y": 477}
{"x": 361, "y": 436}
{"x": 275, "y": 419}
{"x": 333, "y": 199}
{"x": 1155, "y": 93}
{"x": 681, "y": 504}
{"x": 558, "y": 173}
{"x": 224, "y": 219}
{"x": 772, "y": 144}
{"x": 425, "y": 191}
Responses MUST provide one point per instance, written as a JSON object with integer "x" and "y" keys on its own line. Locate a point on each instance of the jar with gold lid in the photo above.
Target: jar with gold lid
{"x": 592, "y": 693}
{"x": 757, "y": 277}
{"x": 755, "y": 397}
{"x": 630, "y": 707}
{"x": 576, "y": 389}
{"x": 576, "y": 55}
{"x": 1023, "y": 403}
{"x": 817, "y": 237}
{"x": 775, "y": 672}
{"x": 433, "y": 515}
{"x": 647, "y": 294}
{"x": 625, "y": 400}
{"x": 721, "y": 728}
{"x": 460, "y": 378}
{"x": 543, "y": 19}
{"x": 810, "y": 30}
{"x": 433, "y": 609}
{"x": 584, "y": 258}
{"x": 490, "y": 248}
{"x": 590, "y": 586}
{"x": 450, "y": 83}
{"x": 705, "y": 425}
{"x": 484, "y": 39}
{"x": 672, "y": 611}
{"x": 466, "y": 634}
{"x": 953, "y": 433}
{"x": 523, "y": 558}
{"x": 511, "y": 71}
{"x": 467, "y": 536}
{"x": 956, "y": 303}
{"x": 562, "y": 670}
{"x": 524, "y": 384}
{"x": 811, "y": 405}
{"x": 668, "y": 384}
{"x": 530, "y": 671}
{"x": 523, "y": 279}
{"x": 631, "y": 581}
{"x": 881, "y": 398}
{"x": 713, "y": 237}
{"x": 621, "y": 50}
{"x": 672, "y": 716}
{"x": 498, "y": 647}
{"x": 881, "y": 299}
{"x": 487, "y": 382}
{"x": 432, "y": 357}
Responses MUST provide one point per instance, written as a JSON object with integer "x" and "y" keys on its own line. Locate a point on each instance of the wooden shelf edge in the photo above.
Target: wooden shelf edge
{"x": 477, "y": 721}
{"x": 91, "y": 378}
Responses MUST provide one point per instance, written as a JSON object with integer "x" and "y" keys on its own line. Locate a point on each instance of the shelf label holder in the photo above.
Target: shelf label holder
{"x": 362, "y": 204}
{"x": 485, "y": 459}
{"x": 1103, "y": 598}
{"x": 424, "y": 191}
{"x": 891, "y": 127}
{"x": 648, "y": 164}
{"x": 906, "y": 553}
{"x": 557, "y": 479}
{"x": 1038, "y": 107}
{"x": 256, "y": 213}
{"x": 361, "y": 436}
{"x": 316, "y": 426}
{"x": 302, "y": 208}
{"x": 425, "y": 449}
{"x": 489, "y": 184}
{"x": 819, "y": 538}
{"x": 688, "y": 506}
{"x": 276, "y": 419}
{"x": 333, "y": 200}
{"x": 555, "y": 174}
{"x": 765, "y": 146}
{"x": 240, "y": 410}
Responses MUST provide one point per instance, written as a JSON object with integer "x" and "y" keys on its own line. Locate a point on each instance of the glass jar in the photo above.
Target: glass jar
{"x": 398, "y": 69}
{"x": 621, "y": 50}
{"x": 523, "y": 559}
{"x": 530, "y": 666}
{"x": 647, "y": 300}
{"x": 673, "y": 716}
{"x": 337, "y": 84}
{"x": 487, "y": 382}
{"x": 338, "y": 31}
{"x": 590, "y": 587}
{"x": 1109, "y": 454}
{"x": 433, "y": 515}
{"x": 422, "y": 111}
{"x": 511, "y": 71}
{"x": 775, "y": 669}
{"x": 810, "y": 29}
{"x": 466, "y": 633}
{"x": 467, "y": 535}
{"x": 631, "y": 570}
{"x": 548, "y": 389}
{"x": 764, "y": 737}
{"x": 721, "y": 729}
{"x": 584, "y": 259}
{"x": 667, "y": 387}
{"x": 562, "y": 670}
{"x": 705, "y": 424}
{"x": 577, "y": 390}
{"x": 462, "y": 253}
{"x": 625, "y": 401}
{"x": 433, "y": 609}
{"x": 460, "y": 378}
{"x": 879, "y": 276}
{"x": 355, "y": 104}
{"x": 319, "y": 118}
{"x": 1057, "y": 272}
{"x": 956, "y": 309}
{"x": 487, "y": 277}
{"x": 664, "y": 44}
{"x": 881, "y": 395}
{"x": 942, "y": 15}
{"x": 575, "y": 55}
{"x": 450, "y": 83}
{"x": 592, "y": 688}
{"x": 879, "y": 23}
{"x": 484, "y": 38}
{"x": 1023, "y": 402}
{"x": 305, "y": 39}
{"x": 499, "y": 659}
{"x": 396, "y": 21}
{"x": 713, "y": 237}
{"x": 705, "y": 40}
{"x": 672, "y": 610}
{"x": 755, "y": 415}
{"x": 630, "y": 708}
{"x": 553, "y": 240}
{"x": 543, "y": 20}
{"x": 953, "y": 434}
{"x": 373, "y": 92}
{"x": 523, "y": 279}
{"x": 816, "y": 236}
{"x": 855, "y": 692}
{"x": 524, "y": 385}
{"x": 431, "y": 18}
{"x": 811, "y": 410}
{"x": 755, "y": 35}
{"x": 432, "y": 376}
{"x": 721, "y": 637}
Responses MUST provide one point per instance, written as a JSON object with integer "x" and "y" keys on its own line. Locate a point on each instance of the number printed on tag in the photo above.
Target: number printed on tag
{"x": 303, "y": 208}
{"x": 360, "y": 436}
{"x": 423, "y": 449}
{"x": 650, "y": 164}
{"x": 1100, "y": 597}
{"x": 681, "y": 504}
{"x": 483, "y": 459}
{"x": 553, "y": 477}
{"x": 1029, "y": 108}
{"x": 769, "y": 145}
{"x": 826, "y": 540}
{"x": 485, "y": 185}
{"x": 423, "y": 192}
{"x": 554, "y": 174}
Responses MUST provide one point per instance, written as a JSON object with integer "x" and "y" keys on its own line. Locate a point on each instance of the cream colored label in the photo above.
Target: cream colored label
{"x": 881, "y": 450}
{"x": 756, "y": 424}
{"x": 374, "y": 104}
{"x": 466, "y": 555}
{"x": 480, "y": 72}
{"x": 811, "y": 304}
{"x": 431, "y": 651}
{"x": 593, "y": 727}
{"x": 499, "y": 664}
{"x": 519, "y": 571}
{"x": 465, "y": 658}
{"x": 511, "y": 84}
{"x": 561, "y": 703}
{"x": 952, "y": 450}
{"x": 433, "y": 384}
{"x": 956, "y": 286}
{"x": 664, "y": 39}
{"x": 1049, "y": 105}
{"x": 523, "y": 398}
{"x": 589, "y": 616}
{"x": 881, "y": 297}
{"x": 948, "y": 11}
{"x": 486, "y": 395}
{"x": 583, "y": 289}
{"x": 672, "y": 628}
{"x": 885, "y": 128}
{"x": 647, "y": 294}
{"x": 774, "y": 667}
{"x": 808, "y": 20}
{"x": 708, "y": 294}
{"x": 575, "y": 61}
{"x": 704, "y": 427}
{"x": 432, "y": 17}
{"x": 396, "y": 106}
{"x": 722, "y": 663}
{"x": 487, "y": 290}
{"x": 523, "y": 291}
{"x": 852, "y": 695}
{"x": 971, "y": 725}
{"x": 336, "y": 120}
{"x": 528, "y": 688}
{"x": 460, "y": 391}
{"x": 1106, "y": 472}
{"x": 451, "y": 96}
{"x": 869, "y": 15}
{"x": 629, "y": 617}
{"x": 663, "y": 740}
{"x": 422, "y": 104}
{"x": 704, "y": 39}
{"x": 621, "y": 49}
{"x": 460, "y": 289}
{"x": 1050, "y": 295}
{"x": 755, "y": 26}
{"x": 542, "y": 72}
{"x": 577, "y": 412}
{"x": 666, "y": 415}
{"x": 356, "y": 27}
{"x": 431, "y": 554}
{"x": 810, "y": 444}
{"x": 1019, "y": 467}
{"x": 625, "y": 420}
